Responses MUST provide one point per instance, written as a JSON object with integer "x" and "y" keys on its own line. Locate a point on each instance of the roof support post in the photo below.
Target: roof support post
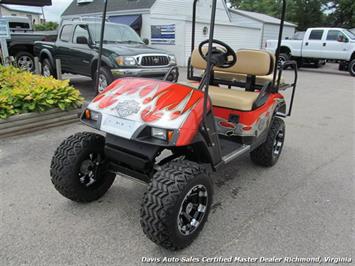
{"x": 101, "y": 45}
{"x": 283, "y": 15}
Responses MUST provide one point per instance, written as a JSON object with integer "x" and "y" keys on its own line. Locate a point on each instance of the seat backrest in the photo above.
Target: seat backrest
{"x": 249, "y": 62}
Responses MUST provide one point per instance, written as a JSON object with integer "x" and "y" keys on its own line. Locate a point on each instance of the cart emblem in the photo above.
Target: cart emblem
{"x": 127, "y": 108}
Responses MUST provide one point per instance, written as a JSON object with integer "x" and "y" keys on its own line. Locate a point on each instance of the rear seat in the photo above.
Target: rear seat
{"x": 229, "y": 98}
{"x": 233, "y": 74}
{"x": 250, "y": 63}
{"x": 260, "y": 80}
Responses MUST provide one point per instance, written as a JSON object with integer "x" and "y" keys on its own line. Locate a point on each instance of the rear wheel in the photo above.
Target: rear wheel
{"x": 176, "y": 205}
{"x": 352, "y": 68}
{"x": 25, "y": 61}
{"x": 317, "y": 64}
{"x": 78, "y": 168}
{"x": 269, "y": 152}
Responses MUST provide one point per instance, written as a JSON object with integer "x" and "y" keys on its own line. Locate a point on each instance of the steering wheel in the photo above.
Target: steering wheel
{"x": 223, "y": 55}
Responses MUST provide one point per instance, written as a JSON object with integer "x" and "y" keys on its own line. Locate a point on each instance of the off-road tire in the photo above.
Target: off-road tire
{"x": 66, "y": 164}
{"x": 162, "y": 201}
{"x": 264, "y": 155}
{"x": 352, "y": 68}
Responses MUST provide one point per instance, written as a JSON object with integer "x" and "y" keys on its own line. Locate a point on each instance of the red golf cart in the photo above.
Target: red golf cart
{"x": 173, "y": 135}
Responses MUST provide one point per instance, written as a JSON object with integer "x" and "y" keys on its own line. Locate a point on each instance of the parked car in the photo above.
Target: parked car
{"x": 22, "y": 41}
{"x": 320, "y": 44}
{"x": 124, "y": 53}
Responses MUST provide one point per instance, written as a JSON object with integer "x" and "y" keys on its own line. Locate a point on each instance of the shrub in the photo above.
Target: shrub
{"x": 23, "y": 92}
{"x": 47, "y": 26}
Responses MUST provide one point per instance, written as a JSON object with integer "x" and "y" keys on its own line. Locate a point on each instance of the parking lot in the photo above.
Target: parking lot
{"x": 301, "y": 207}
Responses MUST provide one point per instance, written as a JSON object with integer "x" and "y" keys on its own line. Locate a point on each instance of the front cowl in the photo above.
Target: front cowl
{"x": 130, "y": 103}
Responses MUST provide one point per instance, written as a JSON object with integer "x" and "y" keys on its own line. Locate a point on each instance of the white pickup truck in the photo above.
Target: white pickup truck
{"x": 319, "y": 44}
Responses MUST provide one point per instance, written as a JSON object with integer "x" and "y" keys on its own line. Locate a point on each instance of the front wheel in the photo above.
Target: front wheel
{"x": 176, "y": 205}
{"x": 352, "y": 68}
{"x": 269, "y": 152}
{"x": 78, "y": 168}
{"x": 47, "y": 69}
{"x": 105, "y": 79}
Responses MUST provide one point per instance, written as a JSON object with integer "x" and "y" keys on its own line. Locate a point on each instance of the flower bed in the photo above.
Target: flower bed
{"x": 23, "y": 92}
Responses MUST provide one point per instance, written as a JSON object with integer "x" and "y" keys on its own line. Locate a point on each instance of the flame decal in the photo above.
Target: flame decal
{"x": 159, "y": 99}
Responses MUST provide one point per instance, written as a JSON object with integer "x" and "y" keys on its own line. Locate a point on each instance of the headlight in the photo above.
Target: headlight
{"x": 126, "y": 61}
{"x": 162, "y": 134}
{"x": 91, "y": 115}
{"x": 172, "y": 59}
{"x": 159, "y": 133}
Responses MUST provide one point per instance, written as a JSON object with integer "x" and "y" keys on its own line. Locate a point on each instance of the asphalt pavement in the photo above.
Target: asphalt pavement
{"x": 303, "y": 207}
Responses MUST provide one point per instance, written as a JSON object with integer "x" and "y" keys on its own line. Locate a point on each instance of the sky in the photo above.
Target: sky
{"x": 52, "y": 13}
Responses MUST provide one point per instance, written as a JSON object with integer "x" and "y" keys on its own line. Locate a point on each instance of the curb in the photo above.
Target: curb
{"x": 31, "y": 122}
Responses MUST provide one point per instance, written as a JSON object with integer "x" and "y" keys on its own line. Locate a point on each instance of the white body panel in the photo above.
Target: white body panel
{"x": 312, "y": 48}
{"x": 322, "y": 48}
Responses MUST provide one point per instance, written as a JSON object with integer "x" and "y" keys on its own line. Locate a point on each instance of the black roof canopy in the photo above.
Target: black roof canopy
{"x": 113, "y": 5}
{"x": 27, "y": 2}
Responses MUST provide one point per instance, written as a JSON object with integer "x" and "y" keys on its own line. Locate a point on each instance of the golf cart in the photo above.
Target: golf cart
{"x": 172, "y": 135}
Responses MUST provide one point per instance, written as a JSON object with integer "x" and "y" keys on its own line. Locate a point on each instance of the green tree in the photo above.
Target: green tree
{"x": 304, "y": 13}
{"x": 341, "y": 13}
{"x": 46, "y": 26}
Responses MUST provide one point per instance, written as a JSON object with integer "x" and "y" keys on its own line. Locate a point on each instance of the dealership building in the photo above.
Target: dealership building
{"x": 167, "y": 23}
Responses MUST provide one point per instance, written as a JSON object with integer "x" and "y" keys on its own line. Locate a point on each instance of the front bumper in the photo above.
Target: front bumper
{"x": 140, "y": 72}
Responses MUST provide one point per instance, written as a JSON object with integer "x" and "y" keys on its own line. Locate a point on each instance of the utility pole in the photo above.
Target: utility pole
{"x": 44, "y": 17}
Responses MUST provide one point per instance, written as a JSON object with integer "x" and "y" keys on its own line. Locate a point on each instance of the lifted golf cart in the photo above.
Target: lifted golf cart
{"x": 172, "y": 135}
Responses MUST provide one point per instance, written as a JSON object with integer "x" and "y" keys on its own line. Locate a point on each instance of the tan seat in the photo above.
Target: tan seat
{"x": 260, "y": 80}
{"x": 250, "y": 62}
{"x": 232, "y": 98}
{"x": 229, "y": 98}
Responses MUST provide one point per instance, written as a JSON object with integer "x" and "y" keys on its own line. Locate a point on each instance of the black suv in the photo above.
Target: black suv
{"x": 124, "y": 53}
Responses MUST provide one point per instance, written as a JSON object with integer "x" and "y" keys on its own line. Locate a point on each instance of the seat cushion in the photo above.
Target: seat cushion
{"x": 232, "y": 98}
{"x": 229, "y": 98}
{"x": 249, "y": 62}
{"x": 260, "y": 80}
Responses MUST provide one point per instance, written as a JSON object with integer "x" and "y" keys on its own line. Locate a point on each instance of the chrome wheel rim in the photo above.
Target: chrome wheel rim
{"x": 102, "y": 82}
{"x": 282, "y": 60}
{"x": 46, "y": 71}
{"x": 278, "y": 143}
{"x": 192, "y": 210}
{"x": 353, "y": 68}
{"x": 89, "y": 170}
{"x": 25, "y": 63}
